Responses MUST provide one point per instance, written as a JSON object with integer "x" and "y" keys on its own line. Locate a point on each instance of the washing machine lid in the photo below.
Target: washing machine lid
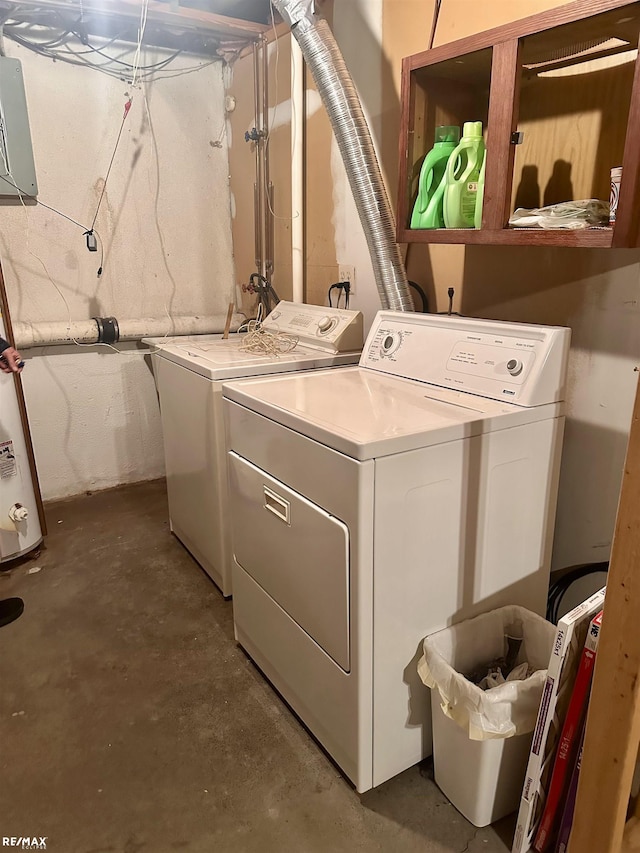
{"x": 365, "y": 414}
{"x": 219, "y": 359}
{"x": 327, "y": 337}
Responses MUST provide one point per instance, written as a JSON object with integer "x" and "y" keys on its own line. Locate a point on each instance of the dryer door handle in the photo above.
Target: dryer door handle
{"x": 280, "y": 507}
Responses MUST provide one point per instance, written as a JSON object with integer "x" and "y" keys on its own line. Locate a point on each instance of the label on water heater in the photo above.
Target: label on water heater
{"x": 8, "y": 466}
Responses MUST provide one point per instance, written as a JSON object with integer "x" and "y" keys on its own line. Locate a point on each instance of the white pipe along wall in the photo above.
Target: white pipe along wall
{"x": 165, "y": 225}
{"x": 29, "y": 335}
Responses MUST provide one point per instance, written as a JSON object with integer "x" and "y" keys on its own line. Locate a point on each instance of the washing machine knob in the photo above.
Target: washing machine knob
{"x": 18, "y": 513}
{"x": 325, "y": 324}
{"x": 514, "y": 366}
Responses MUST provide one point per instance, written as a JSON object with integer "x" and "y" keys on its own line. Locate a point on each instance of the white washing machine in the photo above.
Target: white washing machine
{"x": 374, "y": 505}
{"x": 189, "y": 372}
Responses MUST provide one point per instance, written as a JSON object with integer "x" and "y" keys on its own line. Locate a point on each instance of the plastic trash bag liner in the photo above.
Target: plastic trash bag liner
{"x": 500, "y": 712}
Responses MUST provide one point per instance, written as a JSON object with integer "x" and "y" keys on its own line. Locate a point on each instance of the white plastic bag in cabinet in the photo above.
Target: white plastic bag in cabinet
{"x": 504, "y": 711}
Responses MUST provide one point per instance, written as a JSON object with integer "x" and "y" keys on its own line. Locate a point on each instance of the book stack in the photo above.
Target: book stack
{"x": 548, "y": 798}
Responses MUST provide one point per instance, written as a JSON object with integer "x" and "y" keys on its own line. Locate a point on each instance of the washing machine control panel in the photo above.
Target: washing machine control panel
{"x": 506, "y": 361}
{"x": 318, "y": 327}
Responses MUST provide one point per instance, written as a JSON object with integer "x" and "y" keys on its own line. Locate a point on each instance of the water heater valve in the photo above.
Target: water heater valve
{"x": 18, "y": 513}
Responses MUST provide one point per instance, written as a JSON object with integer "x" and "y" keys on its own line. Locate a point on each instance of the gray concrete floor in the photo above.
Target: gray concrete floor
{"x": 130, "y": 722}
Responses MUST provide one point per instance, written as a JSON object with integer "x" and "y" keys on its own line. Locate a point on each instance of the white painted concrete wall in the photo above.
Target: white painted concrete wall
{"x": 94, "y": 418}
{"x": 605, "y": 358}
{"x": 596, "y": 292}
{"x": 166, "y": 228}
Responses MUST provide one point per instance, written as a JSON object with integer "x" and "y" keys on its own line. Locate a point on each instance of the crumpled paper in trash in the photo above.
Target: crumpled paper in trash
{"x": 503, "y": 669}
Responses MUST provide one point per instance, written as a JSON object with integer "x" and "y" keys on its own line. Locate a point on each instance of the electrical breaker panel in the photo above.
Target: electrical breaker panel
{"x": 17, "y": 169}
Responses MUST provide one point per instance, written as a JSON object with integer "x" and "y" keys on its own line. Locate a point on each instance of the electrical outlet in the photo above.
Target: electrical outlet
{"x": 348, "y": 273}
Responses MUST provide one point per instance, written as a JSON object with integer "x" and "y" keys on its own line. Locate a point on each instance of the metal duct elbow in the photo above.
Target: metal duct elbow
{"x": 343, "y": 106}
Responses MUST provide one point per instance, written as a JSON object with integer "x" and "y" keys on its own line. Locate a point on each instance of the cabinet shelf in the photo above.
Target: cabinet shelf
{"x": 569, "y": 79}
{"x": 585, "y": 238}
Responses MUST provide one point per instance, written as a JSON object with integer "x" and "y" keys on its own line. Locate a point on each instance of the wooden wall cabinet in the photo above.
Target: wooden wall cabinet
{"x": 569, "y": 79}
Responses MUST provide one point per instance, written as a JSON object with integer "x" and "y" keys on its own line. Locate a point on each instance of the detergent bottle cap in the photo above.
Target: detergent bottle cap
{"x": 447, "y": 133}
{"x": 472, "y": 129}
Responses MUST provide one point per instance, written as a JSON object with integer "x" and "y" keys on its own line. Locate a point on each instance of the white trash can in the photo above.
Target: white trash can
{"x": 482, "y": 738}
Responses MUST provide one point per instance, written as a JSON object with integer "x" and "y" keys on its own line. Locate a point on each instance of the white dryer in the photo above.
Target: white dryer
{"x": 374, "y": 505}
{"x": 189, "y": 372}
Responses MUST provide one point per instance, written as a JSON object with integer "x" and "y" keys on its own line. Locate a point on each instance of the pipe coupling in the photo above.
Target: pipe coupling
{"x": 108, "y": 330}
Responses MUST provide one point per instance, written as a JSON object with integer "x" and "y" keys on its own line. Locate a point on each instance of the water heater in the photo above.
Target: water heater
{"x": 20, "y": 527}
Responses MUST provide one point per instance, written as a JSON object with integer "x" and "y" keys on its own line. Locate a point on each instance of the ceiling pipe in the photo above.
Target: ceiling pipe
{"x": 341, "y": 101}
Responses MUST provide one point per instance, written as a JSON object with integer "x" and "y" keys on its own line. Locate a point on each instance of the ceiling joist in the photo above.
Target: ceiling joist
{"x": 208, "y": 32}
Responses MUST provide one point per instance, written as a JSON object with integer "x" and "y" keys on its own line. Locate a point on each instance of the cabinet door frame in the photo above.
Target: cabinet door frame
{"x": 503, "y": 119}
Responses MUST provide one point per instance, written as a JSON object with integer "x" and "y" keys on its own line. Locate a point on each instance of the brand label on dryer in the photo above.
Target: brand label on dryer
{"x": 8, "y": 466}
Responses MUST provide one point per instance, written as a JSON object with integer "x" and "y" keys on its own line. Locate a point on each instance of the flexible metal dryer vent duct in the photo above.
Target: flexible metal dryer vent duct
{"x": 342, "y": 104}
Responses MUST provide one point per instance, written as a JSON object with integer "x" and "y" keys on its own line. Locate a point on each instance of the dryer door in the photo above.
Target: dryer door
{"x": 297, "y": 552}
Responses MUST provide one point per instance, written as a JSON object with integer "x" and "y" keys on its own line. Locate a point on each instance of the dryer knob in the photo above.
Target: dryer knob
{"x": 325, "y": 324}
{"x": 514, "y": 366}
{"x": 390, "y": 343}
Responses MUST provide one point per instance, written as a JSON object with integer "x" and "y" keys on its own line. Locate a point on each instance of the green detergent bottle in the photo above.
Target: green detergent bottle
{"x": 427, "y": 211}
{"x": 461, "y": 178}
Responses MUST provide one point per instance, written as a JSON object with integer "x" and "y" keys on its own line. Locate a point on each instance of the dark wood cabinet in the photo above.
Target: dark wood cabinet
{"x": 568, "y": 79}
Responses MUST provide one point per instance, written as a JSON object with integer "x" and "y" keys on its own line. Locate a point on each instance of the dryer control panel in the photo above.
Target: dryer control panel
{"x": 328, "y": 329}
{"x": 518, "y": 362}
